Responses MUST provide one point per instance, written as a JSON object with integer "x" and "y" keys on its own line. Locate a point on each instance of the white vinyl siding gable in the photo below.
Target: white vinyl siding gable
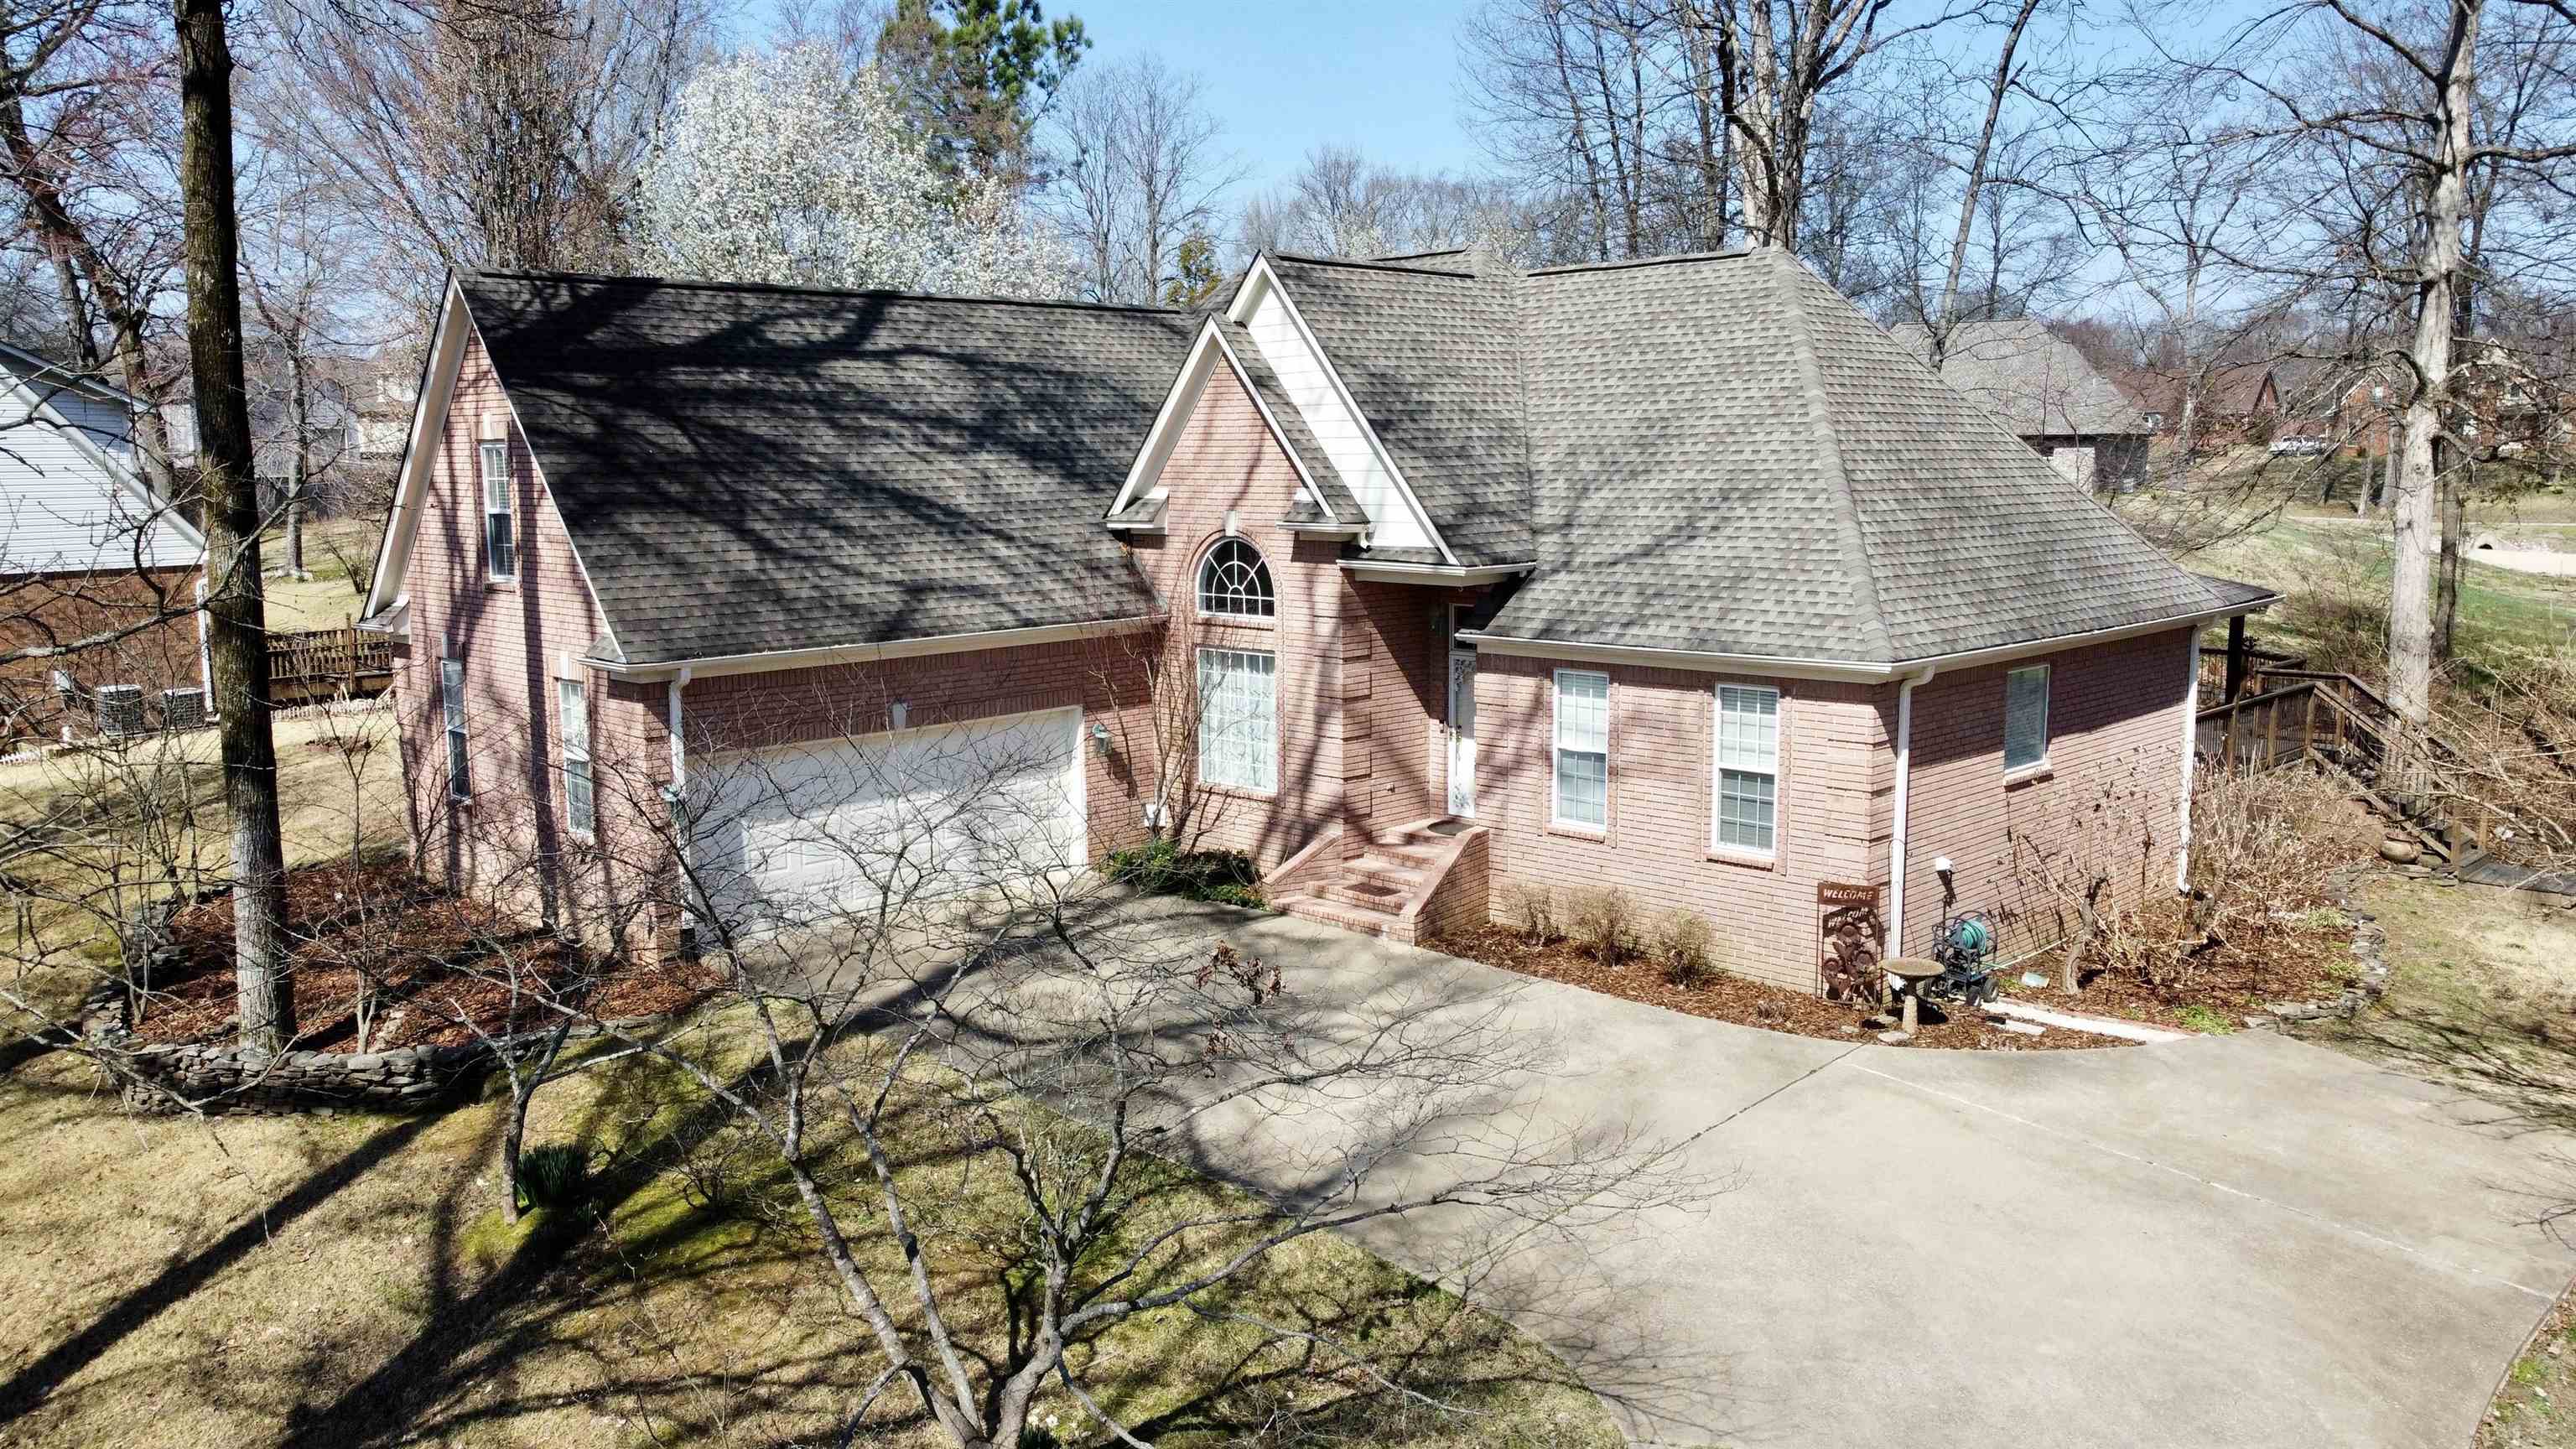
{"x": 61, "y": 510}
{"x": 2026, "y": 719}
{"x": 1581, "y": 794}
{"x": 1342, "y": 435}
{"x": 1747, "y": 810}
{"x": 1239, "y": 719}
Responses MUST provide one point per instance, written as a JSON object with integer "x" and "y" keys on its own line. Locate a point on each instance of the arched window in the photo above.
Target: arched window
{"x": 1235, "y": 583}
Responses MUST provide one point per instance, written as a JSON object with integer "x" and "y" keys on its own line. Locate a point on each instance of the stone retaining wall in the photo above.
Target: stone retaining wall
{"x": 2369, "y": 953}
{"x": 217, "y": 1078}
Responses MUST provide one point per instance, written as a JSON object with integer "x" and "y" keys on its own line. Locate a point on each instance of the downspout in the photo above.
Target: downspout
{"x": 681, "y": 826}
{"x": 2190, "y": 753}
{"x": 1904, "y": 780}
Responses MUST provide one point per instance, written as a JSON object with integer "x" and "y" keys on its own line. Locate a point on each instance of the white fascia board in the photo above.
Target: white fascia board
{"x": 1325, "y": 530}
{"x": 1262, "y": 279}
{"x": 411, "y": 477}
{"x": 1145, "y": 474}
{"x": 1788, "y": 667}
{"x": 159, "y": 511}
{"x": 776, "y": 659}
{"x": 1404, "y": 573}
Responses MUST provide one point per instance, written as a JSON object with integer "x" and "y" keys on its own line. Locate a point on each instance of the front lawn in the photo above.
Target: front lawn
{"x": 334, "y": 1281}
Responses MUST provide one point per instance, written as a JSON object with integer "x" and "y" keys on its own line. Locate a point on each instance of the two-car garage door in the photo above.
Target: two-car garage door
{"x": 796, "y": 835}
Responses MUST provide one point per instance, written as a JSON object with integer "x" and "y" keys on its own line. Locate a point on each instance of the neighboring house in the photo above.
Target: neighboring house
{"x": 1679, "y": 576}
{"x": 2091, "y": 431}
{"x": 89, "y": 556}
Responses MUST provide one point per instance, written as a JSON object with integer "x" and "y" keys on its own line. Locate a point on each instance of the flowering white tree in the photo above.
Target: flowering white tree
{"x": 792, "y": 167}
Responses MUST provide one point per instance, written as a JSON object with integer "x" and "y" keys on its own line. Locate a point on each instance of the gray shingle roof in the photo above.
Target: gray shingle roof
{"x": 1432, "y": 358}
{"x": 1729, "y": 458}
{"x": 751, "y": 469}
{"x": 2030, "y": 377}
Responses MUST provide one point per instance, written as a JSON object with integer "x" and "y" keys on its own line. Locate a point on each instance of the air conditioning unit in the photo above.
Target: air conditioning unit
{"x": 183, "y": 709}
{"x": 120, "y": 710}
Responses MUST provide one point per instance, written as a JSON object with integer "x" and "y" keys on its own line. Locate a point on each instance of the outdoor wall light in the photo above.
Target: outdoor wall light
{"x": 1100, "y": 739}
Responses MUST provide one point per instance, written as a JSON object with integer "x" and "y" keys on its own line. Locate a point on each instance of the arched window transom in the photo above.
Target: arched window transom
{"x": 1234, "y": 582}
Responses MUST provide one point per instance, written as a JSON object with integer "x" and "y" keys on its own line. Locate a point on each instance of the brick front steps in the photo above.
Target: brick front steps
{"x": 1409, "y": 883}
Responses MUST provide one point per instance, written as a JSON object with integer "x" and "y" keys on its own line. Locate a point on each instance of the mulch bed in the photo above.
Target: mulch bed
{"x": 2297, "y": 956}
{"x": 1738, "y": 999}
{"x": 405, "y": 934}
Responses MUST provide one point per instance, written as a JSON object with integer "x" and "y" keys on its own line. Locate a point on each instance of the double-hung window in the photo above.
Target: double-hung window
{"x": 451, "y": 700}
{"x": 573, "y": 710}
{"x": 2026, "y": 719}
{"x": 1582, "y": 749}
{"x": 500, "y": 536}
{"x": 1238, "y": 719}
{"x": 1748, "y": 768}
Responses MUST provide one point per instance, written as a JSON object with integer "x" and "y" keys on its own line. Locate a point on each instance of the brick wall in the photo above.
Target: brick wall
{"x": 2109, "y": 801}
{"x": 1657, "y": 847}
{"x": 52, "y": 610}
{"x": 510, "y": 840}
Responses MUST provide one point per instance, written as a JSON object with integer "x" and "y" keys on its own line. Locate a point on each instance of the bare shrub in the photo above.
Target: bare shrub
{"x": 1533, "y": 907}
{"x": 1686, "y": 948}
{"x": 1603, "y": 921}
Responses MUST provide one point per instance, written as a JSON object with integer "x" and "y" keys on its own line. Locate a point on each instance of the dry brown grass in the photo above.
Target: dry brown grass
{"x": 335, "y": 1281}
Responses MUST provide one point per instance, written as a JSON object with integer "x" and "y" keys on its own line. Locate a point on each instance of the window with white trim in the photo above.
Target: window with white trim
{"x": 500, "y": 533}
{"x": 572, "y": 710}
{"x": 451, "y": 700}
{"x": 1582, "y": 749}
{"x": 2026, "y": 718}
{"x": 1239, "y": 719}
{"x": 1748, "y": 768}
{"x": 1234, "y": 583}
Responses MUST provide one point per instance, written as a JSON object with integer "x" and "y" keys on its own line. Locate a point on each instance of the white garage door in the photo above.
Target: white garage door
{"x": 792, "y": 836}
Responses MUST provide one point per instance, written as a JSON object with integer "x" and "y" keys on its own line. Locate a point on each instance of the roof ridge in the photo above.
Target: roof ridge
{"x": 1879, "y": 640}
{"x": 1369, "y": 266}
{"x": 1620, "y": 264}
{"x": 699, "y": 284}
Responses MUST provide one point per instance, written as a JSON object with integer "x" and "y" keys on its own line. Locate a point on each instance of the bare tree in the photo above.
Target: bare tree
{"x": 1340, "y": 204}
{"x": 1140, "y": 173}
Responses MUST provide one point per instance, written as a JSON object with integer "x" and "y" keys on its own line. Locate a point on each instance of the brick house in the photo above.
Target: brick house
{"x": 2083, "y": 423}
{"x": 1418, "y": 582}
{"x": 93, "y": 562}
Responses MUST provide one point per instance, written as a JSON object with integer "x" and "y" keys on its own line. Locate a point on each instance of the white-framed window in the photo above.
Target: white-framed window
{"x": 1239, "y": 718}
{"x": 572, "y": 710}
{"x": 500, "y": 534}
{"x": 1582, "y": 749}
{"x": 2026, "y": 718}
{"x": 1748, "y": 768}
{"x": 451, "y": 702}
{"x": 1234, "y": 583}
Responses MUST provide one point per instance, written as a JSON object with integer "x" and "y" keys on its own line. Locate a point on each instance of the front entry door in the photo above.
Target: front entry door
{"x": 1462, "y": 732}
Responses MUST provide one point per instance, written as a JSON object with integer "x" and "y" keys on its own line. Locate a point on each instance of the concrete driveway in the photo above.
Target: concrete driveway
{"x": 2223, "y": 1241}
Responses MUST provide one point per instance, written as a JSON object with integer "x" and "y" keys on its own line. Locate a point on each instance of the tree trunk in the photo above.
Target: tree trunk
{"x": 2446, "y": 578}
{"x": 1938, "y": 328}
{"x": 236, "y": 616}
{"x": 2410, "y": 603}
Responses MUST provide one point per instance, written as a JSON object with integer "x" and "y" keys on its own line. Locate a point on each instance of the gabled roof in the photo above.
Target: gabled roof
{"x": 2031, "y": 378}
{"x": 1730, "y": 460}
{"x": 1431, "y": 356}
{"x": 754, "y": 470}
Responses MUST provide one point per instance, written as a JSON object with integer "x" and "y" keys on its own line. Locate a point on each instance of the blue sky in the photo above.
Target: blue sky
{"x": 1283, "y": 78}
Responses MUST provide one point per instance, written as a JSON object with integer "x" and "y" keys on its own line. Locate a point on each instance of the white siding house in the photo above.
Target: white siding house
{"x": 71, "y": 500}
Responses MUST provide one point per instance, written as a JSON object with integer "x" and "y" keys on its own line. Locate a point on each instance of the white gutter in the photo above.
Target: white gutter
{"x": 1904, "y": 789}
{"x": 683, "y": 828}
{"x": 1404, "y": 573}
{"x": 716, "y": 664}
{"x": 1796, "y": 667}
{"x": 2190, "y": 753}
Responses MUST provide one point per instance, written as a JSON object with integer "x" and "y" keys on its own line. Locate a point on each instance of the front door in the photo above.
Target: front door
{"x": 1462, "y": 732}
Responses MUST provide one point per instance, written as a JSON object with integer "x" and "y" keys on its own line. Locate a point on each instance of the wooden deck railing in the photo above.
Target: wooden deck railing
{"x": 2303, "y": 715}
{"x": 2260, "y": 665}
